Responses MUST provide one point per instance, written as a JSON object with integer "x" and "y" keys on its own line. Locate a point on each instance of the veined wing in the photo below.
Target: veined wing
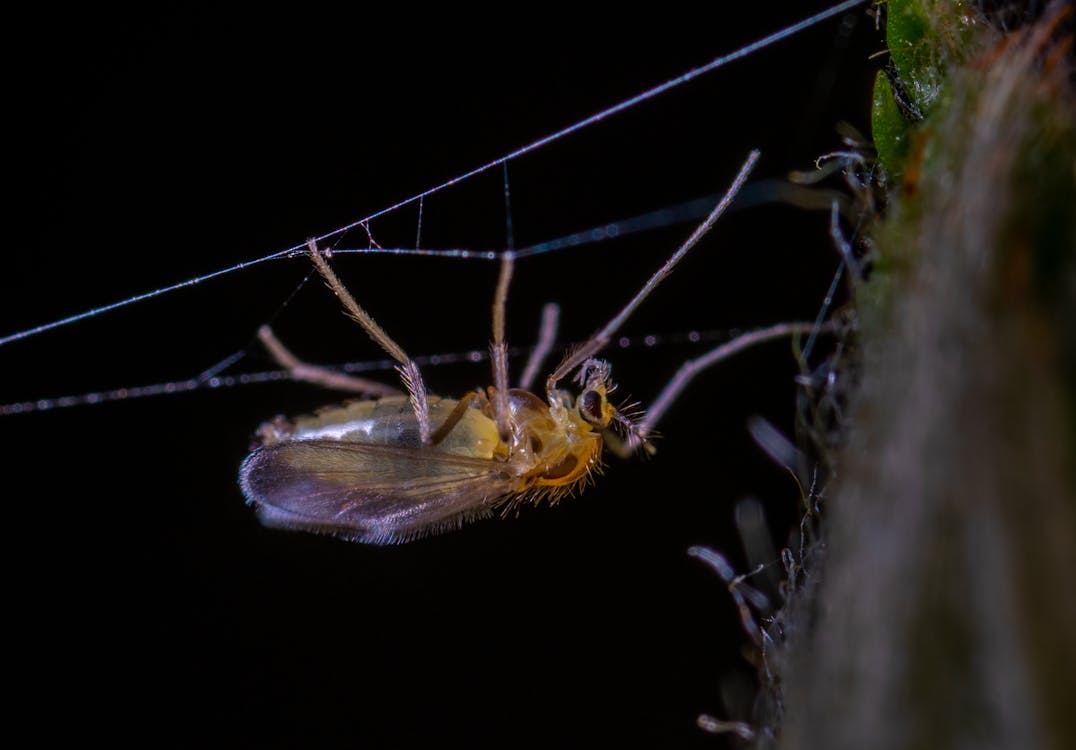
{"x": 374, "y": 493}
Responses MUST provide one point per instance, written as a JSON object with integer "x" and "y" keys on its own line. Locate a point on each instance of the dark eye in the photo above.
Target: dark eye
{"x": 590, "y": 407}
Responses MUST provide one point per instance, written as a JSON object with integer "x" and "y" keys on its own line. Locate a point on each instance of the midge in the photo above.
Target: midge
{"x": 402, "y": 466}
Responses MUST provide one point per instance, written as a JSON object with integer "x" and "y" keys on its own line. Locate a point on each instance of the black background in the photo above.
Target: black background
{"x": 145, "y": 600}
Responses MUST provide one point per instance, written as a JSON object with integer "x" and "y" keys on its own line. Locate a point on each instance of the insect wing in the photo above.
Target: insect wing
{"x": 373, "y": 493}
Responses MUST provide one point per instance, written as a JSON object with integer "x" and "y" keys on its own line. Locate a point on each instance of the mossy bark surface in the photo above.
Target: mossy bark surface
{"x": 944, "y": 615}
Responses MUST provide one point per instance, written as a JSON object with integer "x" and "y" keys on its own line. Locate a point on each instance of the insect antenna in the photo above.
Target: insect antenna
{"x": 628, "y": 419}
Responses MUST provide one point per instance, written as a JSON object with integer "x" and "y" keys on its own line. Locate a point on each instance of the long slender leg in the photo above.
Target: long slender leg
{"x": 455, "y": 416}
{"x": 599, "y": 340}
{"x": 318, "y": 375}
{"x": 547, "y": 337}
{"x": 408, "y": 370}
{"x": 499, "y": 349}
{"x": 693, "y": 367}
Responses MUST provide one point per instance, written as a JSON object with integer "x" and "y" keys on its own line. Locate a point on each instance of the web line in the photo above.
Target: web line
{"x": 604, "y": 114}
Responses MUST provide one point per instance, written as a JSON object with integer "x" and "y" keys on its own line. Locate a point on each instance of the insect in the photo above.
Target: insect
{"x": 404, "y": 466}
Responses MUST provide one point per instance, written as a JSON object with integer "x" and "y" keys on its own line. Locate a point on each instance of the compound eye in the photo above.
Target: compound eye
{"x": 590, "y": 408}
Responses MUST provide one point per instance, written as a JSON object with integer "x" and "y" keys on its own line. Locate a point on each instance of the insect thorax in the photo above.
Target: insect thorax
{"x": 559, "y": 447}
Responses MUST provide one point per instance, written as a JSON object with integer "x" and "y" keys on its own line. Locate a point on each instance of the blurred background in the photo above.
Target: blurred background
{"x": 145, "y": 598}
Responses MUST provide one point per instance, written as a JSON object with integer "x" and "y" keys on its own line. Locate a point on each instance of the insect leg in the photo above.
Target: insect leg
{"x": 317, "y": 374}
{"x": 693, "y": 367}
{"x": 408, "y": 370}
{"x": 499, "y": 349}
{"x": 547, "y": 337}
{"x": 599, "y": 340}
{"x": 455, "y": 416}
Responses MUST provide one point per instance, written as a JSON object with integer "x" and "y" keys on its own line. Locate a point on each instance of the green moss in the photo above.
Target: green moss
{"x": 925, "y": 38}
{"x": 891, "y": 130}
{"x": 912, "y": 47}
